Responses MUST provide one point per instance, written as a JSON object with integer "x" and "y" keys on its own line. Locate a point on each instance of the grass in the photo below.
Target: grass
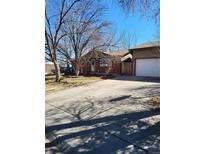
{"x": 69, "y": 81}
{"x": 154, "y": 102}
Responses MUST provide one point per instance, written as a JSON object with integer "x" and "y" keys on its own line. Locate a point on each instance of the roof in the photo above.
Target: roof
{"x": 96, "y": 54}
{"x": 117, "y": 52}
{"x": 146, "y": 50}
{"x": 148, "y": 45}
{"x": 126, "y": 57}
{"x": 49, "y": 62}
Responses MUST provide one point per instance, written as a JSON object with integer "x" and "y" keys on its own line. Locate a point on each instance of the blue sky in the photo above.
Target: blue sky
{"x": 143, "y": 28}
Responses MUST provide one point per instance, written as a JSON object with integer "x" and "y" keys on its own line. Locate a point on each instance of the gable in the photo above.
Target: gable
{"x": 153, "y": 52}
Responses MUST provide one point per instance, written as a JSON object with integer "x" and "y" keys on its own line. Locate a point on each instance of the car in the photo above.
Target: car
{"x": 67, "y": 70}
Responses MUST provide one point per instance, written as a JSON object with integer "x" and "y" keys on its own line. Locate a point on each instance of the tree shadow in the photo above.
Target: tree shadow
{"x": 109, "y": 134}
{"x": 93, "y": 129}
{"x": 119, "y": 98}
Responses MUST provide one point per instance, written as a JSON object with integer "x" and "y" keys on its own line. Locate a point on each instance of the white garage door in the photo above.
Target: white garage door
{"x": 148, "y": 67}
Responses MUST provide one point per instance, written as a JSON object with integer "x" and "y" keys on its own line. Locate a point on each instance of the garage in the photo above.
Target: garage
{"x": 148, "y": 67}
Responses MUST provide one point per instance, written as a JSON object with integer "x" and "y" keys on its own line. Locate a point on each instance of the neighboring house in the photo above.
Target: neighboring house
{"x": 146, "y": 59}
{"x": 49, "y": 67}
{"x": 98, "y": 62}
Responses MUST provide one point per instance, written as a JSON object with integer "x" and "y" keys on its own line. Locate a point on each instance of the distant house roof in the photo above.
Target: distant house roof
{"x": 114, "y": 53}
{"x": 95, "y": 54}
{"x": 117, "y": 52}
{"x": 49, "y": 62}
{"x": 148, "y": 45}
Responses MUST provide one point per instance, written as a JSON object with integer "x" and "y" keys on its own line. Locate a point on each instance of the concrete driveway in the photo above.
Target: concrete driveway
{"x": 108, "y": 116}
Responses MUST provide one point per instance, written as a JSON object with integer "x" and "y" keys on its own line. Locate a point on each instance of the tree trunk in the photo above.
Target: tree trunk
{"x": 77, "y": 70}
{"x": 68, "y": 64}
{"x": 57, "y": 71}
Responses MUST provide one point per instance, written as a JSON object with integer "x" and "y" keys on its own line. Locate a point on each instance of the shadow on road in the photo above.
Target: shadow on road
{"x": 137, "y": 78}
{"x": 119, "y": 98}
{"x": 106, "y": 126}
{"x": 100, "y": 138}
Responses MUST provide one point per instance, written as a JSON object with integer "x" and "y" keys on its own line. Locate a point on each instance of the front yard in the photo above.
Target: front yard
{"x": 69, "y": 81}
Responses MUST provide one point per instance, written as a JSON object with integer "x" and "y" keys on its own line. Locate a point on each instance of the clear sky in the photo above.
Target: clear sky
{"x": 143, "y": 28}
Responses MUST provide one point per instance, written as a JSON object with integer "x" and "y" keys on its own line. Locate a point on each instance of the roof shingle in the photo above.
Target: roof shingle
{"x": 117, "y": 52}
{"x": 148, "y": 45}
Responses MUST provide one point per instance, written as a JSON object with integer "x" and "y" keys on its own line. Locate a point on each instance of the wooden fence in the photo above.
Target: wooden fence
{"x": 126, "y": 68}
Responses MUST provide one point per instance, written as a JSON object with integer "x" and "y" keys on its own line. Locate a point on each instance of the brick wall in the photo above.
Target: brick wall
{"x": 114, "y": 69}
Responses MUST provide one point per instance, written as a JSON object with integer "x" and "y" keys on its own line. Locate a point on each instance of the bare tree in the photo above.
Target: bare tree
{"x": 53, "y": 26}
{"x": 65, "y": 51}
{"x": 150, "y": 8}
{"x": 86, "y": 30}
{"x": 156, "y": 35}
{"x": 127, "y": 40}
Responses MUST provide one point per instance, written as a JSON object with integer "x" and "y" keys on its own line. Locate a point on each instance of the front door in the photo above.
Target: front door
{"x": 92, "y": 65}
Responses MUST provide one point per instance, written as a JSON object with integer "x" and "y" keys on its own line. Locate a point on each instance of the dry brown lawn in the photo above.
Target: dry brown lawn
{"x": 154, "y": 102}
{"x": 68, "y": 82}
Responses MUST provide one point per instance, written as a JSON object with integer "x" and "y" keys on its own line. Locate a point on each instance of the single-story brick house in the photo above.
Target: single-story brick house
{"x": 144, "y": 60}
{"x": 98, "y": 62}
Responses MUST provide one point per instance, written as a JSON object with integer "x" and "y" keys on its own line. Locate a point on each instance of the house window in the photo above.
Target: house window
{"x": 105, "y": 62}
